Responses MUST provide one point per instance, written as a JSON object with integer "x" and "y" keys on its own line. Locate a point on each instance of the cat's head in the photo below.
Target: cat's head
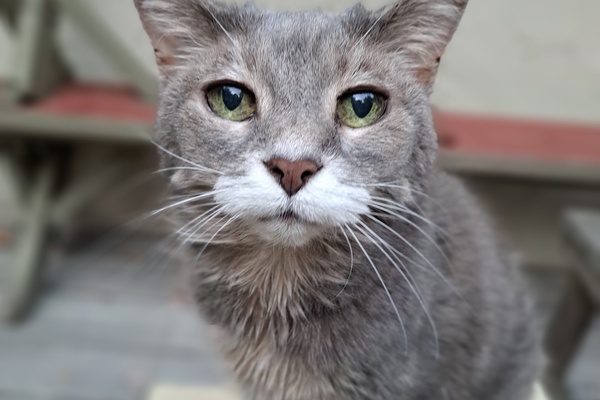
{"x": 298, "y": 122}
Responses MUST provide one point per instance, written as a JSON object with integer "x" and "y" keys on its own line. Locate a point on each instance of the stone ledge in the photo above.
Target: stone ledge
{"x": 200, "y": 393}
{"x": 192, "y": 393}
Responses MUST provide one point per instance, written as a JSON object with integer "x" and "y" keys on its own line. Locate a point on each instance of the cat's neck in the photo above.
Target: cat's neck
{"x": 266, "y": 282}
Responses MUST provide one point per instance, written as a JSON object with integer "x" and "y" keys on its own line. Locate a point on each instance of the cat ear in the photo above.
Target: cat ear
{"x": 180, "y": 28}
{"x": 420, "y": 30}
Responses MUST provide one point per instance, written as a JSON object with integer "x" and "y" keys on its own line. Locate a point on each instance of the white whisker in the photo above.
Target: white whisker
{"x": 384, "y": 208}
{"x": 363, "y": 37}
{"x": 160, "y": 171}
{"x": 433, "y": 268}
{"x": 351, "y": 262}
{"x": 183, "y": 202}
{"x": 417, "y": 292}
{"x": 184, "y": 229}
{"x": 404, "y": 209}
{"x": 408, "y": 243}
{"x": 389, "y": 295}
{"x": 200, "y": 167}
{"x": 220, "y": 25}
{"x": 199, "y": 226}
{"x": 410, "y": 190}
{"x": 215, "y": 235}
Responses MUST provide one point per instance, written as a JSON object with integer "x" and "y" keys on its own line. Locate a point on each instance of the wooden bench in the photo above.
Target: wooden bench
{"x": 581, "y": 300}
{"x": 519, "y": 148}
{"x": 44, "y": 115}
{"x": 37, "y": 143}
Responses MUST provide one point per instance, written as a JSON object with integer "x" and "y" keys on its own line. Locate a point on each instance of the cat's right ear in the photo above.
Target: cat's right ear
{"x": 419, "y": 31}
{"x": 179, "y": 28}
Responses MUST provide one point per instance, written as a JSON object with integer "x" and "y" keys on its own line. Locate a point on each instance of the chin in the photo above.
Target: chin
{"x": 289, "y": 232}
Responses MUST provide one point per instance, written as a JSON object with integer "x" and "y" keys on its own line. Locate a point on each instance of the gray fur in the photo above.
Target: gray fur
{"x": 300, "y": 311}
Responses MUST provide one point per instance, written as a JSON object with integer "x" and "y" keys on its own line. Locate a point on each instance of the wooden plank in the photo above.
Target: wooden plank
{"x": 520, "y": 168}
{"x": 16, "y": 174}
{"x": 567, "y": 329}
{"x": 9, "y": 8}
{"x": 518, "y": 138}
{"x": 551, "y": 151}
{"x": 37, "y": 67}
{"x": 24, "y": 125}
{"x": 583, "y": 232}
{"x": 26, "y": 269}
{"x": 134, "y": 70}
{"x": 82, "y": 193}
{"x": 574, "y": 315}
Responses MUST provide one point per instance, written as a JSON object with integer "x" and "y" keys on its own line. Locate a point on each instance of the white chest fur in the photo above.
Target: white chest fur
{"x": 266, "y": 373}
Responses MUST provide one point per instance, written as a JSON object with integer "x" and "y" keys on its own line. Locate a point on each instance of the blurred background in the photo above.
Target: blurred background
{"x": 94, "y": 304}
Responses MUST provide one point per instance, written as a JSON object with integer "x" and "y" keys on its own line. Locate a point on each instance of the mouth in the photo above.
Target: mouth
{"x": 287, "y": 216}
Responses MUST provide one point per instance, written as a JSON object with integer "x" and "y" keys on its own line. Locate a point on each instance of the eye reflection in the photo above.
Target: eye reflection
{"x": 361, "y": 109}
{"x": 362, "y": 103}
{"x": 232, "y": 97}
{"x": 231, "y": 102}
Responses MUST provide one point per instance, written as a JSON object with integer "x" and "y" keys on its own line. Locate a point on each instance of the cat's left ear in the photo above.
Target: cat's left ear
{"x": 419, "y": 31}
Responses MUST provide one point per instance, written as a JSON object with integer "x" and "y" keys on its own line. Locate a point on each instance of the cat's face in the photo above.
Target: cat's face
{"x": 296, "y": 122}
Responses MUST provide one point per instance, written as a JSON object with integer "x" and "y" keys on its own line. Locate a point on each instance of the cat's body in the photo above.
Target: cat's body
{"x": 314, "y": 344}
{"x": 340, "y": 264}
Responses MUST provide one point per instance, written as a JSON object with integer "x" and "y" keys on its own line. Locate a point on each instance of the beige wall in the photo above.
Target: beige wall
{"x": 538, "y": 58}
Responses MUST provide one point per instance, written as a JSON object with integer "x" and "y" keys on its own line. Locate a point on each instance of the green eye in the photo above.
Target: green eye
{"x": 358, "y": 110}
{"x": 231, "y": 102}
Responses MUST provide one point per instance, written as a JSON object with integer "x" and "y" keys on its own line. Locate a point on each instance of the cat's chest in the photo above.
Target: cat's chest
{"x": 267, "y": 373}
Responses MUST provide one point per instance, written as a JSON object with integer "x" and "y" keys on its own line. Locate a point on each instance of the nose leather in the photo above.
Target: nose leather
{"x": 292, "y": 175}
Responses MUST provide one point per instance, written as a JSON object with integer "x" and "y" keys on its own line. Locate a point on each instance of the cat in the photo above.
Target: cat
{"x": 330, "y": 255}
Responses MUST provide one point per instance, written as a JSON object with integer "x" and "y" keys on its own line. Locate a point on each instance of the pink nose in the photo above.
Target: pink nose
{"x": 292, "y": 176}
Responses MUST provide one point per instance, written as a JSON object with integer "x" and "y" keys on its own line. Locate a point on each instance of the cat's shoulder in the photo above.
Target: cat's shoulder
{"x": 450, "y": 190}
{"x": 452, "y": 205}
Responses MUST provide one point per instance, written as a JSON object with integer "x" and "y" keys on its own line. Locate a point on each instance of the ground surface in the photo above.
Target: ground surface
{"x": 110, "y": 329}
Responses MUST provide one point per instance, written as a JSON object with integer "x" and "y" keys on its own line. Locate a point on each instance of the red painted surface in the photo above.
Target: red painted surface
{"x": 99, "y": 102}
{"x": 514, "y": 138}
{"x": 494, "y": 136}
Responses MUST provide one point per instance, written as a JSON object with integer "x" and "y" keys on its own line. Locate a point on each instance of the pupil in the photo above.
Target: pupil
{"x": 232, "y": 97}
{"x": 362, "y": 103}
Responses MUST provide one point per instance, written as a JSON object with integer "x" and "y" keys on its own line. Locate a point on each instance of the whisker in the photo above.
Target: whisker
{"x": 183, "y": 202}
{"x": 408, "y": 243}
{"x": 200, "y": 167}
{"x": 417, "y": 227}
{"x": 385, "y": 209}
{"x": 410, "y": 189}
{"x": 157, "y": 253}
{"x": 351, "y": 263}
{"x": 414, "y": 288}
{"x": 399, "y": 207}
{"x": 160, "y": 171}
{"x": 183, "y": 230}
{"x": 200, "y": 225}
{"x": 434, "y": 269}
{"x": 215, "y": 235}
{"x": 389, "y": 295}
{"x": 220, "y": 25}
{"x": 363, "y": 37}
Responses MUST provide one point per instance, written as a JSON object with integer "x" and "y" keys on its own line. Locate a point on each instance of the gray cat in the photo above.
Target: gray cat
{"x": 332, "y": 258}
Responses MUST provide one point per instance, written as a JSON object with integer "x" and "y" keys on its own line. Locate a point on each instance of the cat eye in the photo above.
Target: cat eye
{"x": 358, "y": 110}
{"x": 231, "y": 102}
